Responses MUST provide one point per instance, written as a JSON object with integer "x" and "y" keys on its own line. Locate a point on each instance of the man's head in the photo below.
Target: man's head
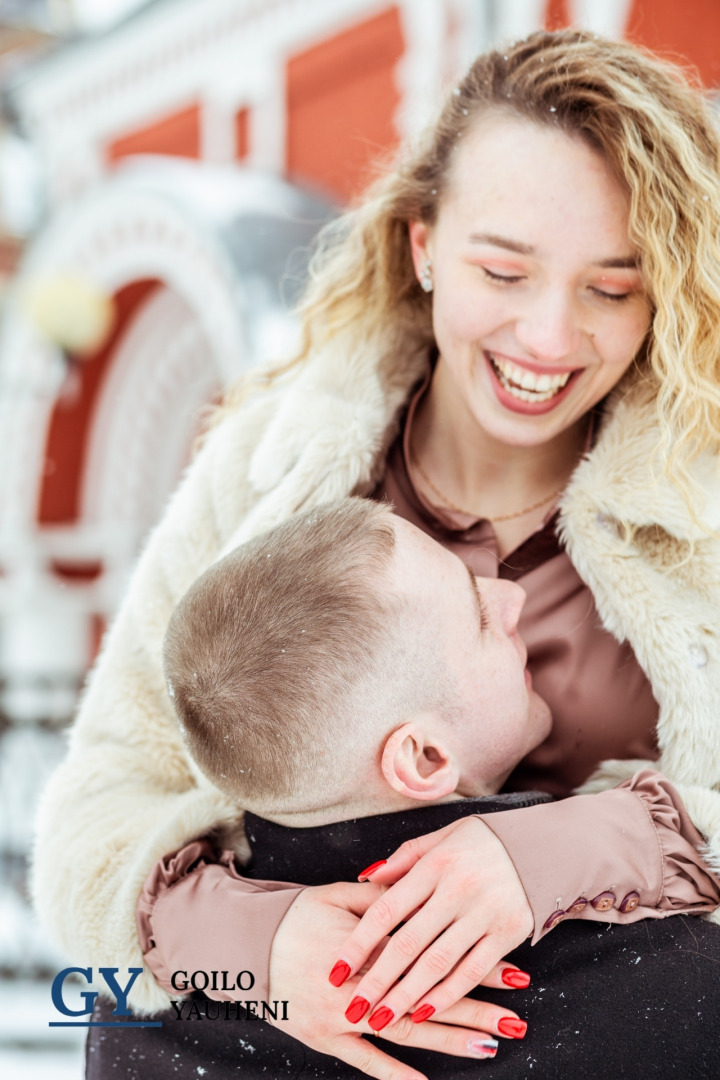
{"x": 345, "y": 664}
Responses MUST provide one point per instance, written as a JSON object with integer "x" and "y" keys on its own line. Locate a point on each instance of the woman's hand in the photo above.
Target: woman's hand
{"x": 463, "y": 907}
{"x": 304, "y": 948}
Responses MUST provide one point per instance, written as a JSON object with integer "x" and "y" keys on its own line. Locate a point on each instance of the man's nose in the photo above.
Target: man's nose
{"x": 508, "y": 598}
{"x": 550, "y": 328}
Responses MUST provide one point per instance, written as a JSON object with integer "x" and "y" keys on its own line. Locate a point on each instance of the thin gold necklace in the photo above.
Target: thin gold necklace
{"x": 471, "y": 513}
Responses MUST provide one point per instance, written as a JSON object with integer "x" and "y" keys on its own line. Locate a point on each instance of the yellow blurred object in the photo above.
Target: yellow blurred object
{"x": 70, "y": 311}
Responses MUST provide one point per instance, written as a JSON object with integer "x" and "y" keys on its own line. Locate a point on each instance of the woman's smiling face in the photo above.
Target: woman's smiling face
{"x": 538, "y": 306}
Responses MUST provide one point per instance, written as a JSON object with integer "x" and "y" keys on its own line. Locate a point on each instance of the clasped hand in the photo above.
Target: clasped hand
{"x": 472, "y": 909}
{"x": 462, "y": 907}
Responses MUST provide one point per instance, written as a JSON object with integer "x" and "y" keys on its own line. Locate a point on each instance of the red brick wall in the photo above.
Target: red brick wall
{"x": 341, "y": 100}
{"x": 177, "y": 134}
{"x": 687, "y": 31}
{"x": 69, "y": 427}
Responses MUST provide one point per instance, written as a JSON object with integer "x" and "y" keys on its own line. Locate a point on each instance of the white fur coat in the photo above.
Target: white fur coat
{"x": 128, "y": 794}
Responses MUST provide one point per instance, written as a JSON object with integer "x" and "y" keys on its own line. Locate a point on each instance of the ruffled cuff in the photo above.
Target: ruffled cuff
{"x": 617, "y": 856}
{"x": 197, "y": 913}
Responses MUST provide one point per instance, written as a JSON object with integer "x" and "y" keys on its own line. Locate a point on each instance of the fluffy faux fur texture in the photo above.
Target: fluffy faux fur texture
{"x": 628, "y": 533}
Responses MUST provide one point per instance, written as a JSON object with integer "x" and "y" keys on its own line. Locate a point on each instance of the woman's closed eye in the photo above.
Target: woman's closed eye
{"x": 502, "y": 279}
{"x": 615, "y": 298}
{"x": 514, "y": 279}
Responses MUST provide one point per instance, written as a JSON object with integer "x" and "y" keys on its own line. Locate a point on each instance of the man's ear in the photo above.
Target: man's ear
{"x": 418, "y": 764}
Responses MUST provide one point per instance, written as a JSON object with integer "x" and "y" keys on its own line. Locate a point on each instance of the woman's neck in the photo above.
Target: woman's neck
{"x": 480, "y": 474}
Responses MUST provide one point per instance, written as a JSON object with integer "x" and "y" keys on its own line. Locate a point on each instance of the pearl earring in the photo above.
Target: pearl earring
{"x": 426, "y": 278}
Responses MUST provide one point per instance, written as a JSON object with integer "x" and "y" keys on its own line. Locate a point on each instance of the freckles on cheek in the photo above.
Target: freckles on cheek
{"x": 458, "y": 311}
{"x": 636, "y": 334}
{"x": 618, "y": 349}
{"x": 624, "y": 353}
{"x": 459, "y": 339}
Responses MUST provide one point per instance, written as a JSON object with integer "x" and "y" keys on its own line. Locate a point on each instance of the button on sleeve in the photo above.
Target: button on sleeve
{"x": 621, "y": 855}
{"x": 629, "y": 902}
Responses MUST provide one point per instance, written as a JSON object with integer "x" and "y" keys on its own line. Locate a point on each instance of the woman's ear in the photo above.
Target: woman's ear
{"x": 417, "y": 764}
{"x": 419, "y": 234}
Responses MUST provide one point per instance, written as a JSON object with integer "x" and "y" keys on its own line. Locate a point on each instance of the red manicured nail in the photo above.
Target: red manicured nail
{"x": 483, "y": 1048}
{"x": 371, "y": 869}
{"x": 357, "y": 1009}
{"x": 339, "y": 973}
{"x": 516, "y": 978}
{"x": 381, "y": 1018}
{"x": 423, "y": 1013}
{"x": 510, "y": 1026}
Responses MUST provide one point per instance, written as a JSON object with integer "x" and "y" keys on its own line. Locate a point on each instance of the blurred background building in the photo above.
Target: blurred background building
{"x": 164, "y": 166}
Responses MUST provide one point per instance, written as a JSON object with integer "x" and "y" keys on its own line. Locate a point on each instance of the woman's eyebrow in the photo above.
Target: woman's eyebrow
{"x": 620, "y": 262}
{"x": 502, "y": 242}
{"x": 624, "y": 262}
{"x": 481, "y": 606}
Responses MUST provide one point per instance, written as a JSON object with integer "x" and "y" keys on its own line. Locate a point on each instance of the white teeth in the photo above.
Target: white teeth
{"x": 524, "y": 384}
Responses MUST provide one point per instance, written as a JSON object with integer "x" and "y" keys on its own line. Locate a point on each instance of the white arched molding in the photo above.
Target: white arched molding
{"x": 171, "y": 56}
{"x": 421, "y": 70}
{"x": 115, "y": 237}
{"x": 163, "y": 373}
{"x": 31, "y": 373}
{"x": 513, "y": 19}
{"x": 607, "y": 17}
{"x": 471, "y": 32}
{"x": 443, "y": 37}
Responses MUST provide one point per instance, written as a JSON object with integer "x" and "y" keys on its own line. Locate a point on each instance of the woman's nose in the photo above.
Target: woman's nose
{"x": 549, "y": 329}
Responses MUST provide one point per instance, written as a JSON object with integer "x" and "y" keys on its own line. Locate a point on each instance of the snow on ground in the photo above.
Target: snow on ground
{"x": 38, "y": 1065}
{"x": 29, "y": 1049}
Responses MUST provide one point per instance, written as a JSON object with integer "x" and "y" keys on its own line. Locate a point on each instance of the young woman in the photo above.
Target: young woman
{"x": 516, "y": 338}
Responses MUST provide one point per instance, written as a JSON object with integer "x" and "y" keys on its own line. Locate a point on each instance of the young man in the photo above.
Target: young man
{"x": 332, "y": 676}
{"x": 345, "y": 665}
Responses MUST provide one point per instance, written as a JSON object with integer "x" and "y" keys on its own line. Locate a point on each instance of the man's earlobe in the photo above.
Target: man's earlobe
{"x": 418, "y": 765}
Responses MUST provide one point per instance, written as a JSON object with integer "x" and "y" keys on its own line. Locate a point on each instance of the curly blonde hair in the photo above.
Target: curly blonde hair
{"x": 655, "y": 128}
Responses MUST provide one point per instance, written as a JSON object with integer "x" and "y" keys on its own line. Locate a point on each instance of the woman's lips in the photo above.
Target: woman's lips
{"x": 509, "y": 397}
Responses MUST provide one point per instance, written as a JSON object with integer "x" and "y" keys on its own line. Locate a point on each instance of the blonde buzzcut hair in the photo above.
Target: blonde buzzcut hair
{"x": 658, "y": 133}
{"x": 286, "y": 660}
